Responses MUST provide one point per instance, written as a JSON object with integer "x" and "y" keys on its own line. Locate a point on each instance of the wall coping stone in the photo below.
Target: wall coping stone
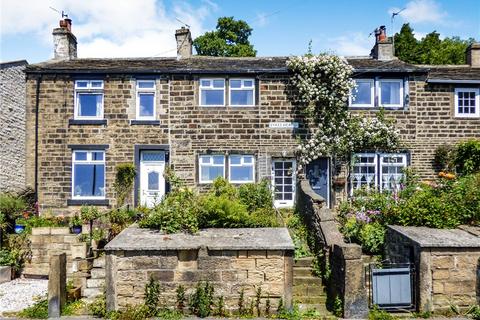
{"x": 135, "y": 238}
{"x": 438, "y": 238}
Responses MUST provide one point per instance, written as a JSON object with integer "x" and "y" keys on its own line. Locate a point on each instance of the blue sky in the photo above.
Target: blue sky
{"x": 126, "y": 28}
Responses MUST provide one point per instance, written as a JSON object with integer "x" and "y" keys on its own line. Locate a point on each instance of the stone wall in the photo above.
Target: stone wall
{"x": 344, "y": 260}
{"x": 12, "y": 125}
{"x": 447, "y": 264}
{"x": 48, "y": 241}
{"x": 230, "y": 267}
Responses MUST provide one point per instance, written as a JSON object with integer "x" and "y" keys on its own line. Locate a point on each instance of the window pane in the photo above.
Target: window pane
{"x": 205, "y": 83}
{"x": 82, "y": 84}
{"x": 153, "y": 156}
{"x": 89, "y": 180}
{"x": 209, "y": 173}
{"x": 235, "y": 159}
{"x": 248, "y": 83}
{"x": 362, "y": 94}
{"x": 247, "y": 159}
{"x": 241, "y": 97}
{"x": 97, "y": 84}
{"x": 146, "y": 84}
{"x": 390, "y": 92}
{"x": 218, "y": 159}
{"x": 218, "y": 83}
{"x": 89, "y": 105}
{"x": 80, "y": 155}
{"x": 205, "y": 159}
{"x": 146, "y": 102}
{"x": 212, "y": 97}
{"x": 244, "y": 173}
{"x": 153, "y": 180}
{"x": 236, "y": 83}
{"x": 97, "y": 155}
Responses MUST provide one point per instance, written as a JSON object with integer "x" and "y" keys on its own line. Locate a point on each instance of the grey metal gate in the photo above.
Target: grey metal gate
{"x": 392, "y": 286}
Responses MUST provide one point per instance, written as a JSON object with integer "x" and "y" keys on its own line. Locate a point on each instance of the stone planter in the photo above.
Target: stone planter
{"x": 231, "y": 260}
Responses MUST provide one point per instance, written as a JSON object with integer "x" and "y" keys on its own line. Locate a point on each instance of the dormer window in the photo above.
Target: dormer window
{"x": 363, "y": 93}
{"x": 88, "y": 99}
{"x": 242, "y": 92}
{"x": 390, "y": 93}
{"x": 212, "y": 92}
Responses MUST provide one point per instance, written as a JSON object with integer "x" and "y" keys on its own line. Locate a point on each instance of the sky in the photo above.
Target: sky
{"x": 140, "y": 28}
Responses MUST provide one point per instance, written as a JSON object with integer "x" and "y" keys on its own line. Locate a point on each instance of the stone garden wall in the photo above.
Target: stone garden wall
{"x": 48, "y": 241}
{"x": 446, "y": 261}
{"x": 229, "y": 259}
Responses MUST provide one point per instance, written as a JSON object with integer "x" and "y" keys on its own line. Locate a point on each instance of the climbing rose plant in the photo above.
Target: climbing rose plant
{"x": 322, "y": 86}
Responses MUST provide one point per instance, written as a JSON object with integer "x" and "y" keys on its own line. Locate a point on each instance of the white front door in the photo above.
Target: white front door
{"x": 152, "y": 182}
{"x": 284, "y": 176}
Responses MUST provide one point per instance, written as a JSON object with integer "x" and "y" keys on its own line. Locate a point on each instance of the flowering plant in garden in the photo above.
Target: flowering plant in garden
{"x": 322, "y": 85}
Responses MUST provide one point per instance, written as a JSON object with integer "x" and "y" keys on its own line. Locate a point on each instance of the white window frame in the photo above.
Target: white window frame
{"x": 382, "y": 164}
{"x": 202, "y": 88}
{"x": 477, "y": 103}
{"x": 150, "y": 91}
{"x": 210, "y": 164}
{"x": 284, "y": 203}
{"x": 87, "y": 90}
{"x": 242, "y": 87}
{"x": 242, "y": 164}
{"x": 359, "y": 164}
{"x": 379, "y": 90}
{"x": 88, "y": 161}
{"x": 352, "y": 103}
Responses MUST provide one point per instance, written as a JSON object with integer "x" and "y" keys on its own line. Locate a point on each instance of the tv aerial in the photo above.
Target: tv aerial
{"x": 64, "y": 15}
{"x": 186, "y": 25}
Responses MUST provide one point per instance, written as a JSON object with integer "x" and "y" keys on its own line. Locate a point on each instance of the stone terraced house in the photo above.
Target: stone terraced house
{"x": 230, "y": 117}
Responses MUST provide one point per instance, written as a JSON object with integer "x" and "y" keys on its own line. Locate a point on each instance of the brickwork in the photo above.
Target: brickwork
{"x": 12, "y": 125}
{"x": 190, "y": 130}
{"x": 229, "y": 271}
{"x": 46, "y": 242}
{"x": 446, "y": 274}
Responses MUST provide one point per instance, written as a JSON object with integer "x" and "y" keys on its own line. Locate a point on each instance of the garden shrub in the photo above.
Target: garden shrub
{"x": 222, "y": 212}
{"x": 256, "y": 195}
{"x": 177, "y": 212}
{"x": 124, "y": 179}
{"x": 11, "y": 206}
{"x": 467, "y": 157}
{"x": 202, "y": 301}
{"x": 16, "y": 252}
{"x": 444, "y": 157}
{"x": 446, "y": 203}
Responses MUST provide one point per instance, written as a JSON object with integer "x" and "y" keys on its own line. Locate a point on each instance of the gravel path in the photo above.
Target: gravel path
{"x": 18, "y": 294}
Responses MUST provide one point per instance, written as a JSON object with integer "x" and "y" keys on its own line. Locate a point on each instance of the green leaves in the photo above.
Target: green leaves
{"x": 230, "y": 39}
{"x": 430, "y": 49}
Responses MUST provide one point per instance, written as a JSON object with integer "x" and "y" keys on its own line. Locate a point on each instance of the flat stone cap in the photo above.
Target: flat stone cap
{"x": 135, "y": 238}
{"x": 439, "y": 238}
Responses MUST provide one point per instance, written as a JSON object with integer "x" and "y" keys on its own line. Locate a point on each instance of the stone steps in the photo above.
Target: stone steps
{"x": 308, "y": 290}
{"x": 95, "y": 285}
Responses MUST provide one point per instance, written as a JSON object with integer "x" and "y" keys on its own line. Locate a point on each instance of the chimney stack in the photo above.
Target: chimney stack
{"x": 64, "y": 42}
{"x": 184, "y": 43}
{"x": 473, "y": 55}
{"x": 383, "y": 49}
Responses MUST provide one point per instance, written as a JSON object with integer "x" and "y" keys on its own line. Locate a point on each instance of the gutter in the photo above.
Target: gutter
{"x": 453, "y": 81}
{"x": 37, "y": 103}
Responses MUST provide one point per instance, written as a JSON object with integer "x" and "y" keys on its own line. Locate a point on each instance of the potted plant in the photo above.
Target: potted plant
{"x": 76, "y": 224}
{"x": 20, "y": 225}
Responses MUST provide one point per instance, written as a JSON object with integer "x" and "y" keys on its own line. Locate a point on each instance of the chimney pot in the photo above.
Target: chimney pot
{"x": 473, "y": 55}
{"x": 64, "y": 42}
{"x": 184, "y": 42}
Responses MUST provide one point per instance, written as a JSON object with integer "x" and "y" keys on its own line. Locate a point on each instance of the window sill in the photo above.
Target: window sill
{"x": 87, "y": 122}
{"x": 93, "y": 202}
{"x": 145, "y": 122}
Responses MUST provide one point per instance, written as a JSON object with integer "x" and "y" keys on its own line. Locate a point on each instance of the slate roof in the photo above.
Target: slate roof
{"x": 461, "y": 73}
{"x": 201, "y": 64}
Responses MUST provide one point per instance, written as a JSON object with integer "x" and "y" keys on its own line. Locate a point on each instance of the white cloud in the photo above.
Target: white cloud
{"x": 422, "y": 11}
{"x": 108, "y": 28}
{"x": 352, "y": 44}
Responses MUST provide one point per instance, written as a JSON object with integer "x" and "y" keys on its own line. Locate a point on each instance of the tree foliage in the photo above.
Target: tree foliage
{"x": 229, "y": 39}
{"x": 430, "y": 49}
